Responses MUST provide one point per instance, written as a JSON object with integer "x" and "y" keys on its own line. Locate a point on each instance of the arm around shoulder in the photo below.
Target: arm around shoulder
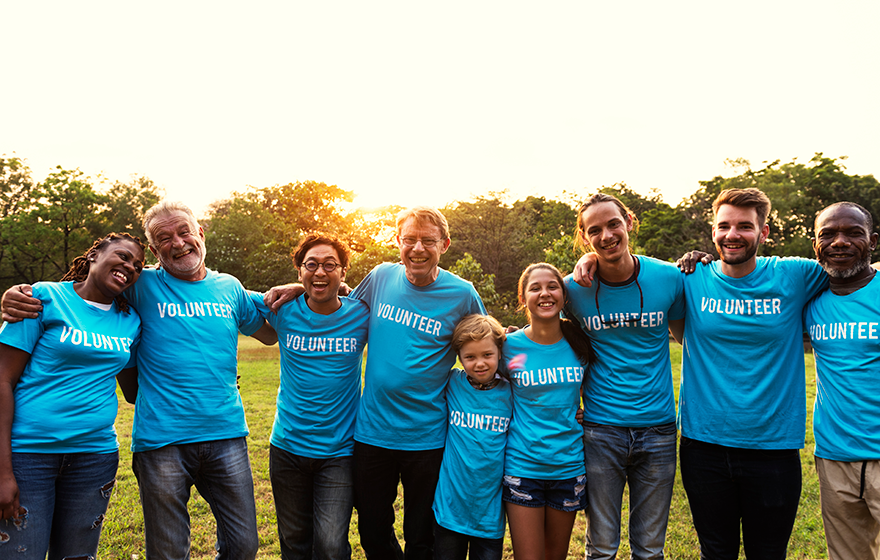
{"x": 17, "y": 304}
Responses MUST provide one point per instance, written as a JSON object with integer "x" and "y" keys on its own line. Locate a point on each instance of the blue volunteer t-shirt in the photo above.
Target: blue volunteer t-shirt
{"x": 845, "y": 334}
{"x": 468, "y": 496}
{"x": 742, "y": 371}
{"x": 403, "y": 404}
{"x": 65, "y": 400}
{"x": 188, "y": 358}
{"x": 630, "y": 382}
{"x": 545, "y": 440}
{"x": 320, "y": 376}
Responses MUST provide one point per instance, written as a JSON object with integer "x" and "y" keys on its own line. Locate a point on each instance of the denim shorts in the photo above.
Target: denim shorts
{"x": 563, "y": 495}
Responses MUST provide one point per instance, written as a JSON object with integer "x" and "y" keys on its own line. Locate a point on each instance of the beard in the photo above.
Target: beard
{"x": 750, "y": 251}
{"x": 845, "y": 273}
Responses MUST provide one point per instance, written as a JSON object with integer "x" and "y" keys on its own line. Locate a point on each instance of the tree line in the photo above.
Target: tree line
{"x": 251, "y": 234}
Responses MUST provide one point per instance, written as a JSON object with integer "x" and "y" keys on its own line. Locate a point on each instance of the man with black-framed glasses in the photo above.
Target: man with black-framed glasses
{"x": 629, "y": 405}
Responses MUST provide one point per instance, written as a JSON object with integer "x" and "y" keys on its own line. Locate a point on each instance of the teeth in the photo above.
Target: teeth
{"x": 119, "y": 275}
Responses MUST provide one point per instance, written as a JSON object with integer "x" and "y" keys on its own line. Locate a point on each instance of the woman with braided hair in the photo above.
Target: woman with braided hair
{"x": 58, "y": 448}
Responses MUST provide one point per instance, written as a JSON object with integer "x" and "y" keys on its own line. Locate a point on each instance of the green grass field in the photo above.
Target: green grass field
{"x": 123, "y": 535}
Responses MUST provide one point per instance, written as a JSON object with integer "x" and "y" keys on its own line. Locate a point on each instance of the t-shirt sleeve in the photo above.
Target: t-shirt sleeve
{"x": 262, "y": 308}
{"x": 476, "y": 303}
{"x": 25, "y": 334}
{"x": 677, "y": 311}
{"x": 132, "y": 358}
{"x": 815, "y": 278}
{"x": 249, "y": 318}
{"x": 364, "y": 290}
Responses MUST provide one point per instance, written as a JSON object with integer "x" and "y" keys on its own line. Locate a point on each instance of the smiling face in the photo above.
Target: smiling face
{"x": 542, "y": 294}
{"x": 179, "y": 245}
{"x": 113, "y": 268}
{"x": 480, "y": 359}
{"x": 843, "y": 243}
{"x": 322, "y": 287}
{"x": 737, "y": 234}
{"x": 606, "y": 229}
{"x": 421, "y": 262}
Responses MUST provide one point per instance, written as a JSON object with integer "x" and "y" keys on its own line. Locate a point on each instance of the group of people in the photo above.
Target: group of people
{"x": 498, "y": 436}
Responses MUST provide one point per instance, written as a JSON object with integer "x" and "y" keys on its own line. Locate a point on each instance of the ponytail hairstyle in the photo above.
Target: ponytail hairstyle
{"x": 79, "y": 268}
{"x": 574, "y": 335}
{"x": 580, "y": 236}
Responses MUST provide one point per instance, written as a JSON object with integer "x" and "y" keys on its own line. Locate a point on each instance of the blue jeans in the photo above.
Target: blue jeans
{"x": 377, "y": 472}
{"x": 66, "y": 496}
{"x": 643, "y": 458}
{"x": 449, "y": 545}
{"x": 221, "y": 471}
{"x": 726, "y": 485}
{"x": 313, "y": 501}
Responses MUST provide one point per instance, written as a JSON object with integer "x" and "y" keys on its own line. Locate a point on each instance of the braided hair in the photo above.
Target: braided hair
{"x": 79, "y": 268}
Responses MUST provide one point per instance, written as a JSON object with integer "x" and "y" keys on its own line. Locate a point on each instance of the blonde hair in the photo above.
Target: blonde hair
{"x": 473, "y": 328}
{"x": 424, "y": 215}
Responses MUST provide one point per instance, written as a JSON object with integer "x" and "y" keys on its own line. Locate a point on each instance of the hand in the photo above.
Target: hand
{"x": 9, "y": 506}
{"x": 279, "y": 295}
{"x": 585, "y": 269}
{"x": 344, "y": 289}
{"x": 579, "y": 416}
{"x": 688, "y": 262}
{"x": 18, "y": 304}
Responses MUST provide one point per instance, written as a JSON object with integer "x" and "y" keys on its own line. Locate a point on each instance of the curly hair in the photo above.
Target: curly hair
{"x": 79, "y": 268}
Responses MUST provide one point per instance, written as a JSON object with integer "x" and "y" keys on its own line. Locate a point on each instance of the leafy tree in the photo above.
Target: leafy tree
{"x": 57, "y": 224}
{"x": 501, "y": 306}
{"x": 562, "y": 254}
{"x": 253, "y": 234}
{"x": 242, "y": 239}
{"x": 373, "y": 255}
{"x": 126, "y": 205}
{"x": 15, "y": 194}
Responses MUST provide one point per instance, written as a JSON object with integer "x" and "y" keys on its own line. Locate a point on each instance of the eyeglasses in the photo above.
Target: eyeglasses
{"x": 619, "y": 320}
{"x": 328, "y": 266}
{"x": 426, "y": 243}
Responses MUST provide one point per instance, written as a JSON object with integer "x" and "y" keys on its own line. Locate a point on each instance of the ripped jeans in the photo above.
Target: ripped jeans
{"x": 65, "y": 496}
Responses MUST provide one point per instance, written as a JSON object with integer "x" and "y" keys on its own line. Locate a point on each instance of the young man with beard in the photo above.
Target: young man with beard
{"x": 742, "y": 406}
{"x": 843, "y": 327}
{"x": 189, "y": 423}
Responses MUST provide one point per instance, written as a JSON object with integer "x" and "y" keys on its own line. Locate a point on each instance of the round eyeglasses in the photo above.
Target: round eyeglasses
{"x": 328, "y": 266}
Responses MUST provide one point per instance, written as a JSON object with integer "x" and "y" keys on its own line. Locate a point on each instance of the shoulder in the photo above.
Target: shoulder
{"x": 221, "y": 278}
{"x": 656, "y": 267}
{"x": 354, "y": 307}
{"x": 444, "y": 277}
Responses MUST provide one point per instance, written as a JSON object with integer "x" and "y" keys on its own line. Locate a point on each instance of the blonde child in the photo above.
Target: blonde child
{"x": 467, "y": 504}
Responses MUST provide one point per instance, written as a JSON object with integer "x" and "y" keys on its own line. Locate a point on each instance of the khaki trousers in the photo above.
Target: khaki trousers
{"x": 850, "y": 494}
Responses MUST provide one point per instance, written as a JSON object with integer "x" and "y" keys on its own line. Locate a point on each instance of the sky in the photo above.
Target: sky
{"x": 428, "y": 102}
